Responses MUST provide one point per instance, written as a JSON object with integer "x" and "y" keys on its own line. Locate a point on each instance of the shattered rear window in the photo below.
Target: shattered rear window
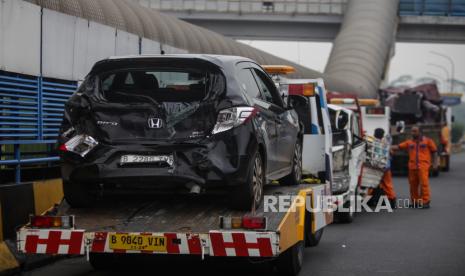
{"x": 157, "y": 85}
{"x": 179, "y": 92}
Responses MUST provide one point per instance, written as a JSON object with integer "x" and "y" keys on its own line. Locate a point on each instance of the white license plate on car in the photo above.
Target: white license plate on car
{"x": 133, "y": 158}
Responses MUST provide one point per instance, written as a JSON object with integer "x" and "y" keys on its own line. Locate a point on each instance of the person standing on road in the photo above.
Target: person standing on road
{"x": 386, "y": 181}
{"x": 420, "y": 149}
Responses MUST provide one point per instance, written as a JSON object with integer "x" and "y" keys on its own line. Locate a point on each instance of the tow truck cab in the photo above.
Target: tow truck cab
{"x": 348, "y": 152}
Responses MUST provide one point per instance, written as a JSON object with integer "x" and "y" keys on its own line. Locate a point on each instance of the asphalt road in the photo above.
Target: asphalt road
{"x": 405, "y": 242}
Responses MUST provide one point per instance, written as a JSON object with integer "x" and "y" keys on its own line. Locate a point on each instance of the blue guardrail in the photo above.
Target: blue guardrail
{"x": 31, "y": 110}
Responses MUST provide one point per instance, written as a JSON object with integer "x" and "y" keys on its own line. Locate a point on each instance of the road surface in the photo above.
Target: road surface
{"x": 405, "y": 242}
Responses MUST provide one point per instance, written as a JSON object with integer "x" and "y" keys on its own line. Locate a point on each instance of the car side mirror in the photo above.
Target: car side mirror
{"x": 286, "y": 101}
{"x": 342, "y": 119}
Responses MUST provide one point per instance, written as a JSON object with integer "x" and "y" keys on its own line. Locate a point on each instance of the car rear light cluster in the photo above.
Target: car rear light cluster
{"x": 79, "y": 144}
{"x": 246, "y": 222}
{"x": 52, "y": 222}
{"x": 233, "y": 117}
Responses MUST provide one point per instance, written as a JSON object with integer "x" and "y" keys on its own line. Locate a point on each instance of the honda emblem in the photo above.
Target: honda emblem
{"x": 155, "y": 123}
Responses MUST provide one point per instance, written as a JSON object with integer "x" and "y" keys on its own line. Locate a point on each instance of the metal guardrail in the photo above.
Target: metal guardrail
{"x": 31, "y": 110}
{"x": 250, "y": 6}
{"x": 432, "y": 7}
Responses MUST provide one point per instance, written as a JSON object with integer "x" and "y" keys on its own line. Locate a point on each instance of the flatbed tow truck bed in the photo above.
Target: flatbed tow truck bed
{"x": 184, "y": 225}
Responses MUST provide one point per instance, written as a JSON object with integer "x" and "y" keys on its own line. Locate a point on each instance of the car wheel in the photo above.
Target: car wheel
{"x": 295, "y": 176}
{"x": 77, "y": 194}
{"x": 348, "y": 217}
{"x": 248, "y": 195}
{"x": 290, "y": 262}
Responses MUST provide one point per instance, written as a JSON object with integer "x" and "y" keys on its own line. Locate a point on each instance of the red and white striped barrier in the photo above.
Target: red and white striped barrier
{"x": 215, "y": 243}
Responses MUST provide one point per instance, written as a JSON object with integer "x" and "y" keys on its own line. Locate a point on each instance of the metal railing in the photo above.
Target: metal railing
{"x": 432, "y": 7}
{"x": 250, "y": 6}
{"x": 31, "y": 110}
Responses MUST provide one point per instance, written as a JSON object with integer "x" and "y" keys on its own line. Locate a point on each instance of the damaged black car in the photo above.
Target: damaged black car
{"x": 192, "y": 123}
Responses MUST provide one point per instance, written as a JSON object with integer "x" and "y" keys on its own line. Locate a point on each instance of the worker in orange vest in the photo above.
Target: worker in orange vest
{"x": 420, "y": 150}
{"x": 386, "y": 181}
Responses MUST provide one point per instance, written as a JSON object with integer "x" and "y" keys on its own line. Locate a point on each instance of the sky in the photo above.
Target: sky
{"x": 409, "y": 59}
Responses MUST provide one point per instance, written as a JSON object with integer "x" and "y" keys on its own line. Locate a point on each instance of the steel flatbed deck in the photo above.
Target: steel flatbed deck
{"x": 170, "y": 213}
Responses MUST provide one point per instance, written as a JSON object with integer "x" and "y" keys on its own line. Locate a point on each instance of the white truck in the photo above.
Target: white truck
{"x": 377, "y": 158}
{"x": 348, "y": 157}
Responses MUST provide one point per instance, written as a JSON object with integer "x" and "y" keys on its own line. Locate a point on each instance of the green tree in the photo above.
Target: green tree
{"x": 457, "y": 132}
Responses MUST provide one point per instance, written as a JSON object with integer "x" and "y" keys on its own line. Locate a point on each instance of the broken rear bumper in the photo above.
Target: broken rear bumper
{"x": 222, "y": 160}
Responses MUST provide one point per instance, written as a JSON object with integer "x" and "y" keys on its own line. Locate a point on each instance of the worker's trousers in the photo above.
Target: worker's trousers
{"x": 419, "y": 185}
{"x": 386, "y": 185}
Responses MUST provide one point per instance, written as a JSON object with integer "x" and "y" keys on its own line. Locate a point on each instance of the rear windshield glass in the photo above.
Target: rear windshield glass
{"x": 156, "y": 85}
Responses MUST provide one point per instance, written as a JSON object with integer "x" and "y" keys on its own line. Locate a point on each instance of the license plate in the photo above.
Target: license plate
{"x": 132, "y": 158}
{"x": 137, "y": 242}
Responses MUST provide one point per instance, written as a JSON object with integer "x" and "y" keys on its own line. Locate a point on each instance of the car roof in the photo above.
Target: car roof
{"x": 219, "y": 60}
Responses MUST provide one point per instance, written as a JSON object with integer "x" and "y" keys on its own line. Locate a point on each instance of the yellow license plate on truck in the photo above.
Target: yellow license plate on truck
{"x": 137, "y": 242}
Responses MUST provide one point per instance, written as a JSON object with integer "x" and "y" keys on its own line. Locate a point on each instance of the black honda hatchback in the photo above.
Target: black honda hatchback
{"x": 193, "y": 123}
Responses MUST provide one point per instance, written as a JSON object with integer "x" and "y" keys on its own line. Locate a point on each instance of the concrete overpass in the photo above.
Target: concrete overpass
{"x": 311, "y": 20}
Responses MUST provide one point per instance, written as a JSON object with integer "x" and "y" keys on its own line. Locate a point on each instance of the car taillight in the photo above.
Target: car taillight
{"x": 246, "y": 222}
{"x": 52, "y": 221}
{"x": 79, "y": 144}
{"x": 233, "y": 117}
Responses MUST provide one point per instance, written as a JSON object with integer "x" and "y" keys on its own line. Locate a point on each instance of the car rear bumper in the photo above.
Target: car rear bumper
{"x": 222, "y": 161}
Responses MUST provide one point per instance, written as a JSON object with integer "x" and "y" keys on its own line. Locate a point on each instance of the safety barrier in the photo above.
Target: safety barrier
{"x": 432, "y": 7}
{"x": 31, "y": 110}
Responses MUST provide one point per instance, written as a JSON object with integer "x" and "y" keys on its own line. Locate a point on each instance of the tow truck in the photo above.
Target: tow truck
{"x": 290, "y": 219}
{"x": 368, "y": 156}
{"x": 348, "y": 153}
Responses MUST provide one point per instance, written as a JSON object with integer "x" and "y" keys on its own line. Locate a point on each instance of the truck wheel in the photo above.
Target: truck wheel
{"x": 447, "y": 165}
{"x": 311, "y": 239}
{"x": 102, "y": 261}
{"x": 247, "y": 196}
{"x": 77, "y": 194}
{"x": 290, "y": 262}
{"x": 346, "y": 217}
{"x": 295, "y": 177}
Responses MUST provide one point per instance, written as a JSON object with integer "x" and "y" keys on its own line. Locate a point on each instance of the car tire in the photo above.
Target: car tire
{"x": 347, "y": 217}
{"x": 311, "y": 239}
{"x": 77, "y": 194}
{"x": 295, "y": 177}
{"x": 289, "y": 263}
{"x": 248, "y": 195}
